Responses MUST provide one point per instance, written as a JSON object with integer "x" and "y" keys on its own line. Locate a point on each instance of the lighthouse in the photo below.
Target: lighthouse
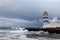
{"x": 45, "y": 18}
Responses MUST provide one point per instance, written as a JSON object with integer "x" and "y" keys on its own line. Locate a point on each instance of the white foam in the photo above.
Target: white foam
{"x": 53, "y": 23}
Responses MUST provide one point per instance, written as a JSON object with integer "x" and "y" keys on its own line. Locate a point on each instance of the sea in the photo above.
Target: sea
{"x": 23, "y": 34}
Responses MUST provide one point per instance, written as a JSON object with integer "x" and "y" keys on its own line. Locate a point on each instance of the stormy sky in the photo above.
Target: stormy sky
{"x": 24, "y": 13}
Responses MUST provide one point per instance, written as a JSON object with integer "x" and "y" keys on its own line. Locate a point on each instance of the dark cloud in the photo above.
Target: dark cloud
{"x": 23, "y": 9}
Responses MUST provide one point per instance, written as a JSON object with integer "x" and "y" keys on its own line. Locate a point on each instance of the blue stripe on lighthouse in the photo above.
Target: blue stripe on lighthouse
{"x": 45, "y": 17}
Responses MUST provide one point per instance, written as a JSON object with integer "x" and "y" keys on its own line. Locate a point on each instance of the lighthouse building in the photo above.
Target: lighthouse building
{"x": 50, "y": 24}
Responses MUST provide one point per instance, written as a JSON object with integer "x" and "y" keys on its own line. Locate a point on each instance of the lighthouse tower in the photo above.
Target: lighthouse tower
{"x": 45, "y": 18}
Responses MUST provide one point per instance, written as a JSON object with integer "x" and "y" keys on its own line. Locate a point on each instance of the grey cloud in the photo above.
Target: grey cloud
{"x": 13, "y": 22}
{"x": 19, "y": 9}
{"x": 9, "y": 22}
